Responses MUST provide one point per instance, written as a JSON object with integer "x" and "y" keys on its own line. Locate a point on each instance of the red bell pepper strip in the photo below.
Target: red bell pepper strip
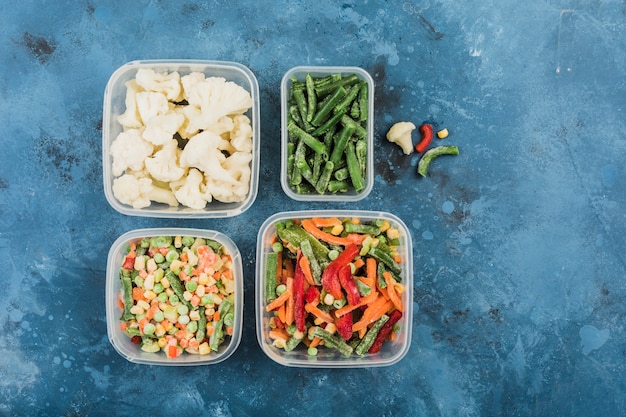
{"x": 312, "y": 294}
{"x": 298, "y": 296}
{"x": 385, "y": 331}
{"x": 330, "y": 276}
{"x": 348, "y": 284}
{"x": 344, "y": 326}
{"x": 427, "y": 137}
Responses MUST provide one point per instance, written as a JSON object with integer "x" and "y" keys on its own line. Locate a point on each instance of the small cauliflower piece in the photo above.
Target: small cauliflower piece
{"x": 163, "y": 165}
{"x": 167, "y": 84}
{"x": 131, "y": 117}
{"x": 160, "y": 129}
{"x": 203, "y": 151}
{"x": 150, "y": 104}
{"x": 236, "y": 188}
{"x": 400, "y": 134}
{"x": 129, "y": 150}
{"x": 191, "y": 190}
{"x": 140, "y": 192}
{"x": 217, "y": 97}
{"x": 189, "y": 82}
{"x": 241, "y": 133}
{"x": 222, "y": 127}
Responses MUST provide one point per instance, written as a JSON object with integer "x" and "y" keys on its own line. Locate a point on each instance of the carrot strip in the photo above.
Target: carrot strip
{"x": 290, "y": 307}
{"x": 316, "y": 341}
{"x": 359, "y": 263}
{"x": 367, "y": 281}
{"x": 370, "y": 268}
{"x": 282, "y": 313}
{"x": 320, "y": 314}
{"x": 364, "y": 301}
{"x": 279, "y": 334}
{"x": 326, "y": 221}
{"x": 373, "y": 312}
{"x": 306, "y": 268}
{"x": 281, "y": 299}
{"x": 391, "y": 291}
{"x": 308, "y": 225}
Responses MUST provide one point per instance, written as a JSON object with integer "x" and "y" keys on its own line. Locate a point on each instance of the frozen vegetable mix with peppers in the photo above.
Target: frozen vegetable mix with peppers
{"x": 334, "y": 283}
{"x": 327, "y": 124}
{"x": 177, "y": 294}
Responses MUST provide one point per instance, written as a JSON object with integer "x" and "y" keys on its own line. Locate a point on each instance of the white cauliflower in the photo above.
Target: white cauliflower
{"x": 150, "y": 104}
{"x": 236, "y": 187}
{"x": 241, "y": 134}
{"x": 129, "y": 151}
{"x": 203, "y": 151}
{"x": 222, "y": 127}
{"x": 131, "y": 118}
{"x": 216, "y": 97}
{"x": 167, "y": 84}
{"x": 140, "y": 192}
{"x": 160, "y": 129}
{"x": 189, "y": 82}
{"x": 191, "y": 190}
{"x": 163, "y": 165}
{"x": 400, "y": 134}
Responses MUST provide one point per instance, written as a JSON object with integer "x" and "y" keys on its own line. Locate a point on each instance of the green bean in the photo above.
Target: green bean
{"x": 341, "y": 174}
{"x": 333, "y": 341}
{"x": 177, "y": 287}
{"x": 363, "y": 101}
{"x": 332, "y": 121}
{"x": 333, "y": 86}
{"x": 201, "y": 332}
{"x": 327, "y": 107}
{"x": 322, "y": 182}
{"x": 292, "y": 343}
{"x": 425, "y": 160}
{"x": 340, "y": 144}
{"x": 354, "y": 169}
{"x": 354, "y": 110}
{"x": 368, "y": 229}
{"x": 301, "y": 103}
{"x": 370, "y": 336}
{"x": 359, "y": 130}
{"x": 295, "y": 234}
{"x": 384, "y": 257}
{"x": 305, "y": 170}
{"x": 345, "y": 103}
{"x": 300, "y": 152}
{"x": 361, "y": 155}
{"x": 311, "y": 97}
{"x": 127, "y": 286}
{"x": 338, "y": 186}
{"x": 309, "y": 140}
{"x": 218, "y": 325}
{"x": 316, "y": 269}
{"x": 304, "y": 188}
{"x": 215, "y": 245}
{"x": 294, "y": 114}
{"x": 271, "y": 269}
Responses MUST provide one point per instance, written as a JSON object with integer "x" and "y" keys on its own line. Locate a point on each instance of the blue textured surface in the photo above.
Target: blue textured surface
{"x": 520, "y": 295}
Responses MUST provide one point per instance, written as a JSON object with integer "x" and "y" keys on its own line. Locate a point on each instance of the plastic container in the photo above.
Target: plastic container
{"x": 299, "y": 73}
{"x": 391, "y": 352}
{"x": 114, "y": 105}
{"x": 122, "y": 343}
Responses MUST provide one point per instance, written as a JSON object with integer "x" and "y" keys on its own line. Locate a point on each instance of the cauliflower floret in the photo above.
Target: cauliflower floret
{"x": 139, "y": 192}
{"x": 129, "y": 151}
{"x": 150, "y": 104}
{"x": 189, "y": 82}
{"x": 191, "y": 190}
{"x": 168, "y": 84}
{"x": 400, "y": 133}
{"x": 222, "y": 127}
{"x": 131, "y": 118}
{"x": 163, "y": 165}
{"x": 241, "y": 134}
{"x": 160, "y": 129}
{"x": 237, "y": 186}
{"x": 203, "y": 151}
{"x": 217, "y": 97}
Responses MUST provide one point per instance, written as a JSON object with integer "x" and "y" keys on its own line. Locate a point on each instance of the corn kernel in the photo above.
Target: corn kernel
{"x": 279, "y": 343}
{"x": 201, "y": 290}
{"x": 162, "y": 342}
{"x": 331, "y": 328}
{"x": 140, "y": 263}
{"x": 204, "y": 349}
{"x": 399, "y": 288}
{"x": 393, "y": 233}
{"x": 151, "y": 265}
{"x": 144, "y": 305}
{"x": 165, "y": 282}
{"x": 137, "y": 310}
{"x": 194, "y": 315}
{"x": 159, "y": 331}
{"x": 176, "y": 264}
{"x": 443, "y": 133}
{"x": 203, "y": 279}
{"x": 149, "y": 294}
{"x": 178, "y": 241}
{"x": 337, "y": 229}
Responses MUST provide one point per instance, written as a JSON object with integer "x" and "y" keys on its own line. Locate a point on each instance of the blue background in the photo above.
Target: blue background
{"x": 519, "y": 242}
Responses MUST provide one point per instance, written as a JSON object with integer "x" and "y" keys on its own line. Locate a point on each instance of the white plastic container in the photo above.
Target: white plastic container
{"x": 114, "y": 105}
{"x": 299, "y": 73}
{"x": 122, "y": 342}
{"x": 391, "y": 352}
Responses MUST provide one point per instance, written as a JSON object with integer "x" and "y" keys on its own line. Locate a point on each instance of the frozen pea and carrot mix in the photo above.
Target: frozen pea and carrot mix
{"x": 327, "y": 124}
{"x": 177, "y": 294}
{"x": 334, "y": 283}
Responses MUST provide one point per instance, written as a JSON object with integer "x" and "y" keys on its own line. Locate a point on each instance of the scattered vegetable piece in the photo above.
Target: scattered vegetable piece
{"x": 400, "y": 134}
{"x": 426, "y": 159}
{"x": 442, "y": 134}
{"x": 427, "y": 137}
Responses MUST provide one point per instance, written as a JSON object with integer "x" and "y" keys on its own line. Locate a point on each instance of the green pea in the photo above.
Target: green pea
{"x": 149, "y": 329}
{"x": 171, "y": 255}
{"x": 158, "y": 258}
{"x": 158, "y": 288}
{"x": 158, "y": 316}
{"x": 174, "y": 300}
{"x": 182, "y": 309}
{"x": 191, "y": 286}
{"x": 192, "y": 326}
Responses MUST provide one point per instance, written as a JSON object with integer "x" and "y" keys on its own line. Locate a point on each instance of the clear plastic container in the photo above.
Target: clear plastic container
{"x": 391, "y": 352}
{"x": 299, "y": 73}
{"x": 123, "y": 344}
{"x": 114, "y": 105}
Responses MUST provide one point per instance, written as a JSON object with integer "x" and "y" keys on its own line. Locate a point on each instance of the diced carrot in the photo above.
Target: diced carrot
{"x": 391, "y": 291}
{"x": 326, "y": 221}
{"x": 184, "y": 342}
{"x": 120, "y": 303}
{"x": 316, "y": 341}
{"x": 397, "y": 258}
{"x": 143, "y": 273}
{"x": 172, "y": 351}
{"x": 138, "y": 294}
{"x": 164, "y": 251}
{"x": 142, "y": 323}
{"x": 306, "y": 269}
{"x": 359, "y": 263}
{"x": 210, "y": 330}
{"x": 229, "y": 330}
{"x": 184, "y": 257}
{"x": 227, "y": 274}
{"x": 133, "y": 245}
{"x": 195, "y": 300}
{"x": 278, "y": 301}
{"x": 193, "y": 344}
{"x": 124, "y": 326}
{"x": 317, "y": 312}
{"x": 154, "y": 307}
{"x": 216, "y": 316}
{"x": 183, "y": 275}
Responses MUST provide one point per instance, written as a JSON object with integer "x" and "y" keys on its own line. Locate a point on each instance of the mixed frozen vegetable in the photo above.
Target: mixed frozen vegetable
{"x": 334, "y": 283}
{"x": 186, "y": 141}
{"x": 177, "y": 294}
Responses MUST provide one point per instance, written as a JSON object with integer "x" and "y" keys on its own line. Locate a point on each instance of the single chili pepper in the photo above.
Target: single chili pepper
{"x": 348, "y": 284}
{"x": 385, "y": 331}
{"x": 427, "y": 137}
{"x": 312, "y": 294}
{"x": 298, "y": 295}
{"x": 344, "y": 326}
{"x": 330, "y": 276}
